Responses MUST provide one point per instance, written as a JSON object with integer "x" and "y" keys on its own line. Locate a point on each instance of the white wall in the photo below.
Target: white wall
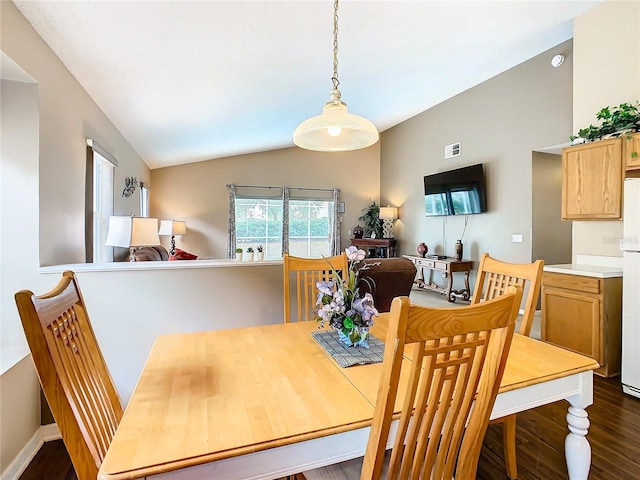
{"x": 607, "y": 72}
{"x": 19, "y": 390}
{"x": 129, "y": 308}
{"x": 19, "y": 204}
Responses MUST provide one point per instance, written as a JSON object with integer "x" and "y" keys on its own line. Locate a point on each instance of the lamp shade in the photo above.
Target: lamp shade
{"x": 389, "y": 212}
{"x": 125, "y": 231}
{"x": 336, "y": 130}
{"x": 172, "y": 227}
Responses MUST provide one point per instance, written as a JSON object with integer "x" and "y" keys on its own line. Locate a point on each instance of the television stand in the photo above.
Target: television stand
{"x": 447, "y": 267}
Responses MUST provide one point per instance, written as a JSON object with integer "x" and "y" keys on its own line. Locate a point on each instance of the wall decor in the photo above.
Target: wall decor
{"x": 130, "y": 185}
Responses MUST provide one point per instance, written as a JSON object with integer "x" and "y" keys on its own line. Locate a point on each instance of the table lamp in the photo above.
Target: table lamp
{"x": 388, "y": 215}
{"x": 173, "y": 228}
{"x": 132, "y": 232}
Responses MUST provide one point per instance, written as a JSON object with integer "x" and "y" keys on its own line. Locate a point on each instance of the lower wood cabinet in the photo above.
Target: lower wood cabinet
{"x": 584, "y": 314}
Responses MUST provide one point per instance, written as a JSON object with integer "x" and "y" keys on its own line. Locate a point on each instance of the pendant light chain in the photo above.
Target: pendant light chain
{"x": 334, "y": 79}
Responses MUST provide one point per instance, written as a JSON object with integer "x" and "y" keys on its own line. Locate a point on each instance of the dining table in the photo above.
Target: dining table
{"x": 269, "y": 401}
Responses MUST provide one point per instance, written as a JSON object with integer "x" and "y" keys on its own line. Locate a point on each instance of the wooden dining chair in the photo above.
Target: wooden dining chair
{"x": 494, "y": 276}
{"x": 72, "y": 371}
{"x": 457, "y": 357}
{"x": 303, "y": 273}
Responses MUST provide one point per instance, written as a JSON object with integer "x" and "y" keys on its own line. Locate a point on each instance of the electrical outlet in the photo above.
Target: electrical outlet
{"x": 516, "y": 238}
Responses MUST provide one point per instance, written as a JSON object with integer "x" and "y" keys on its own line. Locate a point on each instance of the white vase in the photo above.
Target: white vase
{"x": 248, "y": 256}
{"x": 259, "y": 256}
{"x": 239, "y": 256}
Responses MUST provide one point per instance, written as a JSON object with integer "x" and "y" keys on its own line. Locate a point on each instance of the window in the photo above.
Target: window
{"x": 309, "y": 229}
{"x": 310, "y": 223}
{"x": 99, "y": 198}
{"x": 144, "y": 200}
{"x": 259, "y": 222}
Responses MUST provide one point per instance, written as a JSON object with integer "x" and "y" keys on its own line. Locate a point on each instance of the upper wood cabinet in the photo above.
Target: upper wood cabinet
{"x": 629, "y": 146}
{"x": 592, "y": 176}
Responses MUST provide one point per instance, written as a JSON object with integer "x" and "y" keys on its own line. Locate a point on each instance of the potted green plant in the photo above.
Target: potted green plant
{"x": 371, "y": 219}
{"x": 259, "y": 252}
{"x": 238, "y": 253}
{"x": 623, "y": 119}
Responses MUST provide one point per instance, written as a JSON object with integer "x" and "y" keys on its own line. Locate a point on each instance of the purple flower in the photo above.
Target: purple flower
{"x": 364, "y": 304}
{"x": 366, "y": 308}
{"x": 353, "y": 253}
{"x": 325, "y": 287}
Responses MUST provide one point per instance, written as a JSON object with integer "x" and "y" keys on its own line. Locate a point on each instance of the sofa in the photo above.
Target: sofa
{"x": 151, "y": 254}
{"x": 160, "y": 254}
{"x": 385, "y": 279}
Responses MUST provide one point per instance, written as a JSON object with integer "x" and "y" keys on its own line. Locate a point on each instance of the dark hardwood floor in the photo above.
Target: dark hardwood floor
{"x": 614, "y": 436}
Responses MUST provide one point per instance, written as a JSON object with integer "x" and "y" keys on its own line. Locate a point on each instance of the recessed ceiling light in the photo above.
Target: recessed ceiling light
{"x": 557, "y": 60}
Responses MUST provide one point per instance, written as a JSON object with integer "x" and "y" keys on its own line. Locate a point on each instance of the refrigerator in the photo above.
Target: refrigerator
{"x": 631, "y": 288}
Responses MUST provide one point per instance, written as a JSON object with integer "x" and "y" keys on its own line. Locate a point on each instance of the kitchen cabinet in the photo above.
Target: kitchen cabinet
{"x": 584, "y": 314}
{"x": 630, "y": 146}
{"x": 592, "y": 175}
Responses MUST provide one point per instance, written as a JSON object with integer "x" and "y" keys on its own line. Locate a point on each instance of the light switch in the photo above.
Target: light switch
{"x": 516, "y": 238}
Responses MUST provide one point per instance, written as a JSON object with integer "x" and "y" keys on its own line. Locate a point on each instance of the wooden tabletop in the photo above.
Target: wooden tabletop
{"x": 213, "y": 395}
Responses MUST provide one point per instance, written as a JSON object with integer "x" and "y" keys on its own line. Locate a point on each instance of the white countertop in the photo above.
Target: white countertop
{"x": 598, "y": 271}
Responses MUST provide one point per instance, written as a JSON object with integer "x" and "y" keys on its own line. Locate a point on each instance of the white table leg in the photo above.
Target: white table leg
{"x": 577, "y": 450}
{"x": 576, "y": 447}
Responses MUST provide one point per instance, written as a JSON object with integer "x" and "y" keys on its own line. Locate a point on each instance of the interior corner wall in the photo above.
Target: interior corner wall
{"x": 606, "y": 72}
{"x": 499, "y": 123}
{"x": 197, "y": 192}
{"x": 19, "y": 389}
{"x": 551, "y": 235}
{"x": 68, "y": 115}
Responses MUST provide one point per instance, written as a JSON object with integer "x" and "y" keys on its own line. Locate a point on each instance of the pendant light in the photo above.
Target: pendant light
{"x": 336, "y": 130}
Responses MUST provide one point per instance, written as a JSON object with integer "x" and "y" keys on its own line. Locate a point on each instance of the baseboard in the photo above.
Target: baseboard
{"x": 50, "y": 432}
{"x": 45, "y": 433}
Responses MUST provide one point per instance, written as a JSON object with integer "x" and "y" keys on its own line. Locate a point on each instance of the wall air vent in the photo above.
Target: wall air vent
{"x": 452, "y": 150}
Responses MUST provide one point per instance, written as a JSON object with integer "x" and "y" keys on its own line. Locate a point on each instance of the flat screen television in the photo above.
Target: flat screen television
{"x": 455, "y": 192}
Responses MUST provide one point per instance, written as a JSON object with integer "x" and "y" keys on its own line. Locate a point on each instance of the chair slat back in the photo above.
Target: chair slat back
{"x": 494, "y": 276}
{"x": 72, "y": 372}
{"x": 303, "y": 274}
{"x": 457, "y": 361}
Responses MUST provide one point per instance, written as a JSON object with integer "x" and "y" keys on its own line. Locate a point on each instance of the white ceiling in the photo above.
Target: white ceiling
{"x": 187, "y": 81}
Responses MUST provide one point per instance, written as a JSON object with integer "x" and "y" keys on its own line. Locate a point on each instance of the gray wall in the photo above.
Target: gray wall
{"x": 68, "y": 116}
{"x": 499, "y": 122}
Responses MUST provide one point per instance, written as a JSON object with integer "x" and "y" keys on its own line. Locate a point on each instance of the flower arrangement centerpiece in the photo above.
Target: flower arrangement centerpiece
{"x": 340, "y": 305}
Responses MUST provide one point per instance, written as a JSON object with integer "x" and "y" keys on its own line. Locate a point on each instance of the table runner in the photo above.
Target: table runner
{"x": 348, "y": 356}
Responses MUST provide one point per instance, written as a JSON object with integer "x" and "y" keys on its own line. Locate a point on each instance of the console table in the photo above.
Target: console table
{"x": 447, "y": 266}
{"x": 386, "y": 246}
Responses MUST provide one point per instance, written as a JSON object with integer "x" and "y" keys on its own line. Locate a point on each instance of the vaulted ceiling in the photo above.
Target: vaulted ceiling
{"x": 186, "y": 81}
